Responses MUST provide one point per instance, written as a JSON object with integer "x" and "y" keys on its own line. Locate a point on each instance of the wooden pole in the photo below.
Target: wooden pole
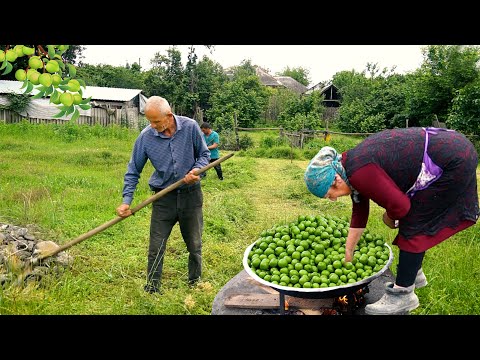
{"x": 134, "y": 210}
{"x": 237, "y": 139}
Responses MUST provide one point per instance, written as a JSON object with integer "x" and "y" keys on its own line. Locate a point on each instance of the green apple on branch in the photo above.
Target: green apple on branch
{"x": 49, "y": 74}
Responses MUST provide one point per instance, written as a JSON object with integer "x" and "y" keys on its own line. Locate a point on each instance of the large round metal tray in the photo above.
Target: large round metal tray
{"x": 327, "y": 292}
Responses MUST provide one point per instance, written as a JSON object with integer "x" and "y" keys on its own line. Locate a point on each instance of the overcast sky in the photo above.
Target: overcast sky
{"x": 322, "y": 61}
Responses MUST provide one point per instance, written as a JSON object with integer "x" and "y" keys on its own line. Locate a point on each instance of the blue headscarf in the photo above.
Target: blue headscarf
{"x": 321, "y": 171}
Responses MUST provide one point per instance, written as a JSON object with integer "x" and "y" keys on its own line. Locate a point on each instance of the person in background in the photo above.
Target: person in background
{"x": 425, "y": 179}
{"x": 175, "y": 147}
{"x": 213, "y": 141}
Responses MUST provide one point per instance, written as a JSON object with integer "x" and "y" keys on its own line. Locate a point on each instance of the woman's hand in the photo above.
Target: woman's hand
{"x": 388, "y": 221}
{"x": 354, "y": 235}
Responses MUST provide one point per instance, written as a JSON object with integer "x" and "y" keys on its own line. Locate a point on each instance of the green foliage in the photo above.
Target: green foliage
{"x": 243, "y": 96}
{"x": 339, "y": 142}
{"x": 43, "y": 184}
{"x": 465, "y": 113}
{"x": 371, "y": 104}
{"x": 47, "y": 70}
{"x": 303, "y": 113}
{"x": 271, "y": 141}
{"x": 277, "y": 152}
{"x": 17, "y": 102}
{"x": 128, "y": 77}
{"x": 445, "y": 70}
{"x": 229, "y": 141}
{"x": 278, "y": 100}
{"x": 300, "y": 121}
{"x": 210, "y": 78}
{"x": 300, "y": 74}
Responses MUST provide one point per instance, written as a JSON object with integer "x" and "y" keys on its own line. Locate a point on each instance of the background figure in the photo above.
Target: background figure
{"x": 213, "y": 141}
{"x": 176, "y": 148}
{"x": 425, "y": 179}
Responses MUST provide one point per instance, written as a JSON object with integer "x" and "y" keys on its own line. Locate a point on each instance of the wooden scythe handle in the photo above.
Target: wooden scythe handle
{"x": 134, "y": 210}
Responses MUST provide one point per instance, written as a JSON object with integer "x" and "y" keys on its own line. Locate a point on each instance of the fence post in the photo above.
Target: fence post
{"x": 237, "y": 139}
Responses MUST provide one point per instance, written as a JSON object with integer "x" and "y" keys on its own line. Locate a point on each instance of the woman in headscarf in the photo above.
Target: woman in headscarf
{"x": 425, "y": 179}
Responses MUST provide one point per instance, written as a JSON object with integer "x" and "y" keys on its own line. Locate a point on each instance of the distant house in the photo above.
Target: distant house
{"x": 292, "y": 84}
{"x": 280, "y": 81}
{"x": 108, "y": 106}
{"x": 329, "y": 91}
{"x": 267, "y": 79}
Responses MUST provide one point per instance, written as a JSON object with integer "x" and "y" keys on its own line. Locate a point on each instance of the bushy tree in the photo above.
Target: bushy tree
{"x": 278, "y": 100}
{"x": 445, "y": 70}
{"x": 372, "y": 100}
{"x": 300, "y": 74}
{"x": 211, "y": 78}
{"x": 465, "y": 112}
{"x": 244, "y": 96}
{"x": 304, "y": 112}
{"x": 127, "y": 77}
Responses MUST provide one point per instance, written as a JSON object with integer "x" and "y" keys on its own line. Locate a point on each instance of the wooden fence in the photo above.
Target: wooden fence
{"x": 127, "y": 117}
{"x": 298, "y": 138}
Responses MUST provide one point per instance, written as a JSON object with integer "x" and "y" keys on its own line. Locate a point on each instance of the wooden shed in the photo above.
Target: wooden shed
{"x": 329, "y": 91}
{"x": 108, "y": 106}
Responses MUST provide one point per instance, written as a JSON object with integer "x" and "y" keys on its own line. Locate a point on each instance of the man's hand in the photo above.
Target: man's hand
{"x": 124, "y": 210}
{"x": 191, "y": 178}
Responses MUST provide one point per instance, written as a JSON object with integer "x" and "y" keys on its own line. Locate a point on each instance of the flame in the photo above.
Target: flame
{"x": 286, "y": 305}
{"x": 343, "y": 300}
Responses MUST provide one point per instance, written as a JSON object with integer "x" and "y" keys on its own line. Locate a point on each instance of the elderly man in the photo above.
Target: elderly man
{"x": 176, "y": 148}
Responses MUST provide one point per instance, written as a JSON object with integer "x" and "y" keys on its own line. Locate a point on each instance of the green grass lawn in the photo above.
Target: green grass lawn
{"x": 66, "y": 180}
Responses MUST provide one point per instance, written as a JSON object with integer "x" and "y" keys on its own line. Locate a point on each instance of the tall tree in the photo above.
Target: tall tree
{"x": 211, "y": 77}
{"x": 244, "y": 96}
{"x": 445, "y": 70}
{"x": 167, "y": 78}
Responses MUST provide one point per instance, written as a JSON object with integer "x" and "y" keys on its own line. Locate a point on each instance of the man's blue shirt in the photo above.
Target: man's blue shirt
{"x": 172, "y": 157}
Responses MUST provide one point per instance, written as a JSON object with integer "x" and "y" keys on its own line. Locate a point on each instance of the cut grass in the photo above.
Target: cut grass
{"x": 66, "y": 188}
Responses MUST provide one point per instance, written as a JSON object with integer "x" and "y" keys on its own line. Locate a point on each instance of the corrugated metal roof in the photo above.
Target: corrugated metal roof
{"x": 96, "y": 92}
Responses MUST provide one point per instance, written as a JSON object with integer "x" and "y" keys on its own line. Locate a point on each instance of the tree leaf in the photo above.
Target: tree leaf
{"x": 71, "y": 70}
{"x": 82, "y": 83}
{"x": 70, "y": 110}
{"x": 63, "y": 87}
{"x": 4, "y": 64}
{"x": 59, "y": 114}
{"x": 8, "y": 69}
{"x": 51, "y": 51}
{"x": 86, "y": 101}
{"x": 76, "y": 115}
{"x": 29, "y": 88}
{"x": 49, "y": 90}
{"x": 61, "y": 64}
{"x": 55, "y": 96}
{"x": 25, "y": 83}
{"x": 84, "y": 107}
{"x": 58, "y": 57}
{"x": 39, "y": 95}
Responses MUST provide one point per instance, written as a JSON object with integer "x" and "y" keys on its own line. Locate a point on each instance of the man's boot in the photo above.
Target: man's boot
{"x": 420, "y": 280}
{"x": 395, "y": 301}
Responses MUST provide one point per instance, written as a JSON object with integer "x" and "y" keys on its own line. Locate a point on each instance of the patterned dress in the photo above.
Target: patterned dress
{"x": 385, "y": 166}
